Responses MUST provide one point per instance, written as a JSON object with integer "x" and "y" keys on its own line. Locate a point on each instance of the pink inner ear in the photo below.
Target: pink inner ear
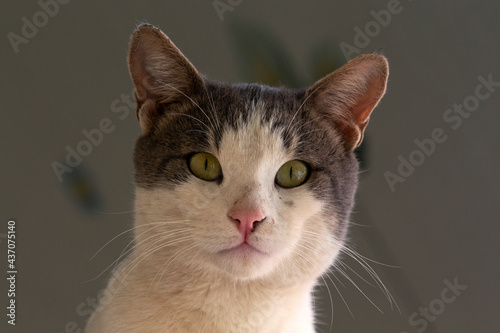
{"x": 360, "y": 116}
{"x": 361, "y": 111}
{"x": 160, "y": 73}
{"x": 142, "y": 69}
{"x": 349, "y": 95}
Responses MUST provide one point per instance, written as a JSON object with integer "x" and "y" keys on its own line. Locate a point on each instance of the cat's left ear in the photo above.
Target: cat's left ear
{"x": 160, "y": 72}
{"x": 347, "y": 96}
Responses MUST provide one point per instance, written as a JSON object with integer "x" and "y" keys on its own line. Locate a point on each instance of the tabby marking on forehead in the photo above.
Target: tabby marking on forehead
{"x": 254, "y": 139}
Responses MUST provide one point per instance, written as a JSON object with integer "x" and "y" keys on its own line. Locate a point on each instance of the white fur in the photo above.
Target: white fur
{"x": 177, "y": 279}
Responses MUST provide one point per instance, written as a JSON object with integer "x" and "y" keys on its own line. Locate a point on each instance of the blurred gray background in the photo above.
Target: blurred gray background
{"x": 438, "y": 227}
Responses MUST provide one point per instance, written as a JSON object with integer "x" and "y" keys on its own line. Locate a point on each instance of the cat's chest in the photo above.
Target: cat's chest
{"x": 216, "y": 306}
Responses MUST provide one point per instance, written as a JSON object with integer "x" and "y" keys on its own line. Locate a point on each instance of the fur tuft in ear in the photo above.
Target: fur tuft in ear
{"x": 348, "y": 96}
{"x": 161, "y": 74}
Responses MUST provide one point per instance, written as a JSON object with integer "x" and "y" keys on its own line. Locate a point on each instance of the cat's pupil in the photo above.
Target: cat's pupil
{"x": 206, "y": 164}
{"x": 291, "y": 172}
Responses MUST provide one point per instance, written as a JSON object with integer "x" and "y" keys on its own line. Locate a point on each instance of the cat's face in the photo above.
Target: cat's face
{"x": 251, "y": 133}
{"x": 246, "y": 180}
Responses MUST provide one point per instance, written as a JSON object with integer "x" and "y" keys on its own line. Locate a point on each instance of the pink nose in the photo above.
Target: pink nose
{"x": 247, "y": 220}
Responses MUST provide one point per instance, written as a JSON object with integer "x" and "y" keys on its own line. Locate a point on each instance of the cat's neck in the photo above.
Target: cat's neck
{"x": 262, "y": 305}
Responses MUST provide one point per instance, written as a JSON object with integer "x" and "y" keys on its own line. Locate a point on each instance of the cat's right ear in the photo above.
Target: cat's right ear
{"x": 160, "y": 72}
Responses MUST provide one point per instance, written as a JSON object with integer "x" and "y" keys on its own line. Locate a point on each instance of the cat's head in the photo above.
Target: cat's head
{"x": 245, "y": 180}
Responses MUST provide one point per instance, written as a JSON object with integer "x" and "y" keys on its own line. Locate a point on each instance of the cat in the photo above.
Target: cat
{"x": 243, "y": 195}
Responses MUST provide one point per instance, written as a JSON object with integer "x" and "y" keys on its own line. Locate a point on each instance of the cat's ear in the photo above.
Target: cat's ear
{"x": 160, "y": 73}
{"x": 348, "y": 96}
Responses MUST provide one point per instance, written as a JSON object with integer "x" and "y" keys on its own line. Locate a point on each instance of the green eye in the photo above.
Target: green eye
{"x": 292, "y": 174}
{"x": 205, "y": 166}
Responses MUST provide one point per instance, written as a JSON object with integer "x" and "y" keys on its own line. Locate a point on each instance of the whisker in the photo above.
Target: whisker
{"x": 214, "y": 113}
{"x": 116, "y": 213}
{"x": 359, "y": 289}
{"x": 361, "y": 261}
{"x": 192, "y": 117}
{"x": 171, "y": 233}
{"x": 310, "y": 236}
{"x": 300, "y": 107}
{"x": 112, "y": 239}
{"x": 143, "y": 256}
{"x": 331, "y": 301}
{"x": 166, "y": 264}
{"x": 371, "y": 260}
{"x": 341, "y": 296}
{"x": 340, "y": 262}
{"x": 136, "y": 245}
{"x": 192, "y": 101}
{"x": 131, "y": 229}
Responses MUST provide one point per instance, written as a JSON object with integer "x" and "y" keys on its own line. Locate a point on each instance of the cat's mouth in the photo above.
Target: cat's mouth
{"x": 244, "y": 260}
{"x": 244, "y": 248}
